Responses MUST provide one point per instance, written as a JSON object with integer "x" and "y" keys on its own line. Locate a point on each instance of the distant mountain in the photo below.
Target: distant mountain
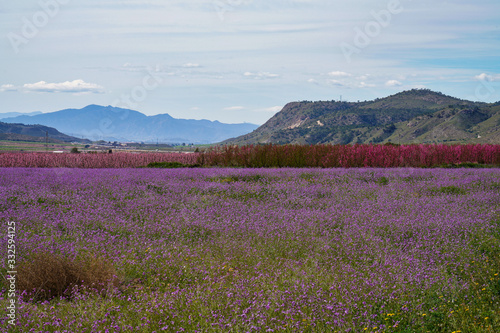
{"x": 116, "y": 124}
{"x": 415, "y": 116}
{"x": 16, "y": 114}
{"x": 34, "y": 133}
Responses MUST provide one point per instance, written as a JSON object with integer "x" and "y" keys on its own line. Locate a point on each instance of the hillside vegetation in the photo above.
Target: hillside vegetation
{"x": 415, "y": 116}
{"x": 34, "y": 133}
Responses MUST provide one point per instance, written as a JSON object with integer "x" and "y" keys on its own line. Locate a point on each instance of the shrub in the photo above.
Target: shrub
{"x": 451, "y": 190}
{"x": 465, "y": 165}
{"x": 306, "y": 176}
{"x": 74, "y": 150}
{"x": 238, "y": 178}
{"x": 166, "y": 165}
{"x": 47, "y": 275}
{"x": 382, "y": 181}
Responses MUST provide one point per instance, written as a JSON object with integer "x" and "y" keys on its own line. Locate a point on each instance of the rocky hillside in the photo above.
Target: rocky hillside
{"x": 415, "y": 116}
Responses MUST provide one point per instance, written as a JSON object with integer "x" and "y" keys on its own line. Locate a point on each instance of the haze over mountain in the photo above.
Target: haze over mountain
{"x": 109, "y": 123}
{"x": 16, "y": 114}
{"x": 415, "y": 116}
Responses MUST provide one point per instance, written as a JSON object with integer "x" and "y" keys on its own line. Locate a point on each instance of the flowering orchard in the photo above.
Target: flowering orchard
{"x": 258, "y": 250}
{"x": 328, "y": 156}
{"x": 101, "y": 160}
{"x": 324, "y": 156}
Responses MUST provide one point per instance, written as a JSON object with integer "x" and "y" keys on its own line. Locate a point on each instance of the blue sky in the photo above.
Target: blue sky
{"x": 241, "y": 60}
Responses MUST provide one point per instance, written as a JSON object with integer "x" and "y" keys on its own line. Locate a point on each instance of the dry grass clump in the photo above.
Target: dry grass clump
{"x": 47, "y": 275}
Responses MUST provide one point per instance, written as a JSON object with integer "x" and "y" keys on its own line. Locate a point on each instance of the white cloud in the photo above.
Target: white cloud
{"x": 261, "y": 75}
{"x": 487, "y": 77}
{"x": 7, "y": 87}
{"x": 128, "y": 67}
{"x": 366, "y": 85}
{"x": 273, "y": 109}
{"x": 234, "y": 108}
{"x": 336, "y": 83}
{"x": 191, "y": 65}
{"x": 75, "y": 87}
{"x": 393, "y": 83}
{"x": 339, "y": 74}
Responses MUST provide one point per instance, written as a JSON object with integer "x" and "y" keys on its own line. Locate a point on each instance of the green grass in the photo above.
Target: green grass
{"x": 466, "y": 165}
{"x": 450, "y": 190}
{"x": 166, "y": 165}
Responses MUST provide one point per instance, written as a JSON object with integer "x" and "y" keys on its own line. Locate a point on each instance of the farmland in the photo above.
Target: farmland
{"x": 27, "y": 146}
{"x": 255, "y": 250}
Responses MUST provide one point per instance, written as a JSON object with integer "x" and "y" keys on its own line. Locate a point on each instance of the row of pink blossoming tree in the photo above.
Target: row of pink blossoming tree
{"x": 258, "y": 156}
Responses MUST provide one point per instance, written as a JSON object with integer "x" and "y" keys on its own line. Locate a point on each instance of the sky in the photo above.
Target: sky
{"x": 241, "y": 60}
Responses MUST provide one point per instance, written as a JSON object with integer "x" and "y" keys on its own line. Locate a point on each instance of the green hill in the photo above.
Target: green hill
{"x": 415, "y": 116}
{"x": 34, "y": 133}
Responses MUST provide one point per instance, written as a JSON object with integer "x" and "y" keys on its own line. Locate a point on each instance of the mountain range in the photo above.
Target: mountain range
{"x": 414, "y": 116}
{"x": 16, "y": 114}
{"x": 109, "y": 123}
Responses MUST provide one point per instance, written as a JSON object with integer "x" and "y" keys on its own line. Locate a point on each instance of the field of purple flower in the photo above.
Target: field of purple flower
{"x": 262, "y": 250}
